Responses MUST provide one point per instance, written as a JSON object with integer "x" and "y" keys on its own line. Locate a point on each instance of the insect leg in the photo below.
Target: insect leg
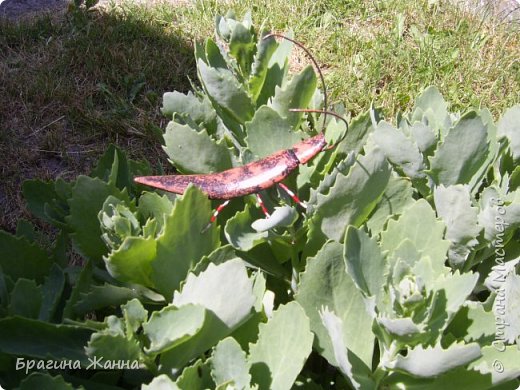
{"x": 215, "y": 215}
{"x": 262, "y": 205}
{"x": 292, "y": 195}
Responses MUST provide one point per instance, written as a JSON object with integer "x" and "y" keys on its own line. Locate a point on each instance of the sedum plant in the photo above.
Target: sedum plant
{"x": 401, "y": 272}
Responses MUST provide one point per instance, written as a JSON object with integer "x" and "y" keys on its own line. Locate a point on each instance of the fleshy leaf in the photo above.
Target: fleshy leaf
{"x": 239, "y": 232}
{"x": 216, "y": 290}
{"x": 356, "y": 371}
{"x": 353, "y": 196}
{"x": 20, "y": 258}
{"x": 180, "y": 142}
{"x": 197, "y": 376}
{"x": 500, "y": 361}
{"x": 229, "y": 364}
{"x": 432, "y": 361}
{"x": 43, "y": 381}
{"x": 268, "y": 132}
{"x": 225, "y": 91}
{"x": 398, "y": 196}
{"x": 418, "y": 224}
{"x": 281, "y": 216}
{"x": 265, "y": 49}
{"x": 25, "y": 299}
{"x": 182, "y": 244}
{"x": 432, "y": 105}
{"x": 296, "y": 94}
{"x": 88, "y": 196}
{"x": 199, "y": 110}
{"x": 161, "y": 382}
{"x": 325, "y": 283}
{"x": 365, "y": 262}
{"x": 463, "y": 152}
{"x": 399, "y": 149}
{"x": 507, "y": 307}
{"x": 283, "y": 345}
{"x": 509, "y": 126}
{"x": 453, "y": 205}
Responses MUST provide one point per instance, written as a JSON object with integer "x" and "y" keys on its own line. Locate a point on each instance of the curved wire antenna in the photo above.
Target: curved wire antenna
{"x": 324, "y": 112}
{"x": 315, "y": 63}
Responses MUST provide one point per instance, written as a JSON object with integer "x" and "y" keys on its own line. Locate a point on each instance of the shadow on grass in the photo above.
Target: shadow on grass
{"x": 69, "y": 87}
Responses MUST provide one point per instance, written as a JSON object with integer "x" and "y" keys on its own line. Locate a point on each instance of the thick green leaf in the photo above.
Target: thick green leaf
{"x": 365, "y": 262}
{"x": 239, "y": 232}
{"x": 224, "y": 90}
{"x": 399, "y": 150}
{"x": 353, "y": 197}
{"x": 182, "y": 140}
{"x": 297, "y": 93}
{"x": 283, "y": 216}
{"x": 509, "y": 126}
{"x": 172, "y": 326}
{"x": 113, "y": 167}
{"x": 418, "y": 224}
{"x": 325, "y": 283}
{"x": 265, "y": 49}
{"x": 42, "y": 381}
{"x": 507, "y": 304}
{"x": 228, "y": 363}
{"x": 216, "y": 290}
{"x": 283, "y": 345}
{"x": 398, "y": 196}
{"x": 132, "y": 261}
{"x": 26, "y": 337}
{"x": 52, "y": 290}
{"x": 182, "y": 244}
{"x": 268, "y": 132}
{"x": 242, "y": 47}
{"x": 423, "y": 136}
{"x": 134, "y": 314}
{"x": 198, "y": 109}
{"x": 473, "y": 323}
{"x": 431, "y": 105}
{"x": 453, "y": 204}
{"x": 20, "y": 258}
{"x": 352, "y": 367}
{"x": 358, "y": 131}
{"x": 463, "y": 152}
{"x": 196, "y": 377}
{"x": 88, "y": 196}
{"x": 26, "y": 299}
{"x": 37, "y": 193}
{"x": 432, "y": 361}
{"x": 106, "y": 295}
{"x": 501, "y": 361}
{"x": 161, "y": 382}
{"x": 106, "y": 346}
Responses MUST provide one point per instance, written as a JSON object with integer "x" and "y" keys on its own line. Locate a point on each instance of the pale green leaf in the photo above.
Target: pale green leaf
{"x": 134, "y": 315}
{"x": 229, "y": 363}
{"x": 282, "y": 216}
{"x": 99, "y": 297}
{"x": 283, "y": 345}
{"x": 161, "y": 382}
{"x": 113, "y": 347}
{"x": 453, "y": 204}
{"x": 180, "y": 143}
{"x": 463, "y": 152}
{"x": 365, "y": 262}
{"x": 432, "y": 361}
{"x": 198, "y": 109}
{"x": 239, "y": 232}
{"x": 431, "y": 104}
{"x": 398, "y": 196}
{"x": 423, "y": 136}
{"x": 265, "y": 49}
{"x": 509, "y": 126}
{"x": 224, "y": 90}
{"x": 353, "y": 197}
{"x": 216, "y": 290}
{"x": 325, "y": 283}
{"x": 296, "y": 94}
{"x": 88, "y": 196}
{"x": 499, "y": 360}
{"x": 268, "y": 132}
{"x": 399, "y": 149}
{"x": 196, "y": 377}
{"x": 182, "y": 243}
{"x": 418, "y": 224}
{"x": 507, "y": 307}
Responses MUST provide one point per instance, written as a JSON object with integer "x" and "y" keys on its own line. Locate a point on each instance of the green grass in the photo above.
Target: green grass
{"x": 69, "y": 86}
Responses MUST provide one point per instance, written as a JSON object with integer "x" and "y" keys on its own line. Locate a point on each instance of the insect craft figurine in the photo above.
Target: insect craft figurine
{"x": 253, "y": 177}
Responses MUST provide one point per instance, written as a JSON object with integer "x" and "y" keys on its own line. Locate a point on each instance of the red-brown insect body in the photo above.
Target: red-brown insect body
{"x": 248, "y": 179}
